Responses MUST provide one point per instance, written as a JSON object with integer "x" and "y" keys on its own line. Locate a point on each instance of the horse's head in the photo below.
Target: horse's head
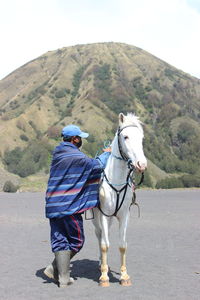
{"x": 130, "y": 140}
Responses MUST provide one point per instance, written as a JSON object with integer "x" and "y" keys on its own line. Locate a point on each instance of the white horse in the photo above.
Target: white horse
{"x": 116, "y": 191}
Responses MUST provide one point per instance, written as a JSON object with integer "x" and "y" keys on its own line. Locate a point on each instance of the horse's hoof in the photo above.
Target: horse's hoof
{"x": 125, "y": 282}
{"x": 104, "y": 283}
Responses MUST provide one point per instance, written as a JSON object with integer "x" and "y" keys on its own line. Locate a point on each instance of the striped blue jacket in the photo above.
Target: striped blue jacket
{"x": 73, "y": 185}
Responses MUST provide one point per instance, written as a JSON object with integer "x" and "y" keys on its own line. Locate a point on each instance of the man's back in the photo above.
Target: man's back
{"x": 73, "y": 182}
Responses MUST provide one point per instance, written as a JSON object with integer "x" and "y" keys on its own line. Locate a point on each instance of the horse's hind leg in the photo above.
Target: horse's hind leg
{"x": 98, "y": 235}
{"x": 104, "y": 279}
{"x": 125, "y": 278}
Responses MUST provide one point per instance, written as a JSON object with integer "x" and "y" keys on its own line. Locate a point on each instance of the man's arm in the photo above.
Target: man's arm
{"x": 103, "y": 158}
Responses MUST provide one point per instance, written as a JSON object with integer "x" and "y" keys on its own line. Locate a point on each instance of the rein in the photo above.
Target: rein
{"x": 124, "y": 188}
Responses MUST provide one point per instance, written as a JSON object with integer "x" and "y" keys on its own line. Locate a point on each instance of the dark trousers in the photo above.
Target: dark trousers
{"x": 67, "y": 233}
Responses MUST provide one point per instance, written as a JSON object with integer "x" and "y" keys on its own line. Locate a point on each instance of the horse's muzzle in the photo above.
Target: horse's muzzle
{"x": 141, "y": 167}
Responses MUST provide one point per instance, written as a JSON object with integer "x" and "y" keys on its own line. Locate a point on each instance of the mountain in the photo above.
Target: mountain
{"x": 89, "y": 85}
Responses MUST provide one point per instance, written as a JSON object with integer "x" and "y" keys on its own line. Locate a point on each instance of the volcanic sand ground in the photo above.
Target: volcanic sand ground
{"x": 163, "y": 251}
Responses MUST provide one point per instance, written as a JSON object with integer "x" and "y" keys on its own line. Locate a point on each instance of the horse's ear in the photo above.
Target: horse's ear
{"x": 121, "y": 117}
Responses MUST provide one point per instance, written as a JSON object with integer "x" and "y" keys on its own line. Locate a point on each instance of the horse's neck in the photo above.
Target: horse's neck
{"x": 116, "y": 169}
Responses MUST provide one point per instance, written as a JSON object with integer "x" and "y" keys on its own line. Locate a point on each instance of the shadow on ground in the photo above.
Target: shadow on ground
{"x": 83, "y": 268}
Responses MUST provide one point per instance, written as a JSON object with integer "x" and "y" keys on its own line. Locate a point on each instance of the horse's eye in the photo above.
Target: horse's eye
{"x": 126, "y": 137}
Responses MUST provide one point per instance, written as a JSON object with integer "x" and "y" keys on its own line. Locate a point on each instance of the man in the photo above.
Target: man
{"x": 72, "y": 189}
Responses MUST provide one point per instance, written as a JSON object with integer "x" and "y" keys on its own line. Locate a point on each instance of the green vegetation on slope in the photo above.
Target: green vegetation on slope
{"x": 30, "y": 160}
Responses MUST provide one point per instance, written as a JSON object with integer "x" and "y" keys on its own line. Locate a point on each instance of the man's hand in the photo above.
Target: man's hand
{"x": 107, "y": 149}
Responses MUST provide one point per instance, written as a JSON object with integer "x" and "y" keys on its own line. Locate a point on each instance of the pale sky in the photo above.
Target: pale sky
{"x": 168, "y": 29}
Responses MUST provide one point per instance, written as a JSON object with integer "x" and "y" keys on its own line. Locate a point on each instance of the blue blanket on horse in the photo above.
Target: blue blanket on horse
{"x": 73, "y": 185}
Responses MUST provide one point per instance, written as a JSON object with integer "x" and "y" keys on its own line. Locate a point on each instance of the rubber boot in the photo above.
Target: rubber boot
{"x": 73, "y": 253}
{"x": 63, "y": 266}
{"x": 51, "y": 270}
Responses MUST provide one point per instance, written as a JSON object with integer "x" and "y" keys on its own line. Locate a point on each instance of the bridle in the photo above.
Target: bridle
{"x": 123, "y": 155}
{"x": 131, "y": 168}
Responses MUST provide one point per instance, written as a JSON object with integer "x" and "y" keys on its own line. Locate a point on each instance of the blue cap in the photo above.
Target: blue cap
{"x": 73, "y": 130}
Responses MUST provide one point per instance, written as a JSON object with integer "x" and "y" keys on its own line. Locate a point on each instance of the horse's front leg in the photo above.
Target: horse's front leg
{"x": 124, "y": 278}
{"x": 104, "y": 279}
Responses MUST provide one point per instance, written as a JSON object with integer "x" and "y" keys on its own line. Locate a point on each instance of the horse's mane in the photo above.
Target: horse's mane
{"x": 132, "y": 119}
